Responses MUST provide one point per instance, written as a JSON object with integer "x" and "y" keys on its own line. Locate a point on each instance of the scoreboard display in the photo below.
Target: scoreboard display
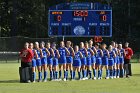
{"x": 80, "y": 20}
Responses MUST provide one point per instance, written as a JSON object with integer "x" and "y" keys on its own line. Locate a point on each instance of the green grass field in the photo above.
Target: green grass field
{"x": 9, "y": 83}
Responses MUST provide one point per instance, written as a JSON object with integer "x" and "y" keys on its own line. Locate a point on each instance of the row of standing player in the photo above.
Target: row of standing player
{"x": 83, "y": 59}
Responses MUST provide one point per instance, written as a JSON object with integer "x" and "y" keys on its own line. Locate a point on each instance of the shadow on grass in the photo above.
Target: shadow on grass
{"x": 136, "y": 75}
{"x": 9, "y": 81}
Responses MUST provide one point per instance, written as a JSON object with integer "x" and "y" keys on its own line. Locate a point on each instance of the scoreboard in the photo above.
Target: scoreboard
{"x": 80, "y": 20}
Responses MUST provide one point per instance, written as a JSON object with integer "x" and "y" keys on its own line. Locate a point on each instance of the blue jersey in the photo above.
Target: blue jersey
{"x": 89, "y": 53}
{"x": 55, "y": 53}
{"x": 50, "y": 50}
{"x": 122, "y": 53}
{"x": 62, "y": 52}
{"x": 44, "y": 52}
{"x": 83, "y": 51}
{"x": 111, "y": 55}
{"x": 77, "y": 56}
{"x": 70, "y": 50}
{"x": 38, "y": 53}
{"x": 105, "y": 53}
{"x": 98, "y": 55}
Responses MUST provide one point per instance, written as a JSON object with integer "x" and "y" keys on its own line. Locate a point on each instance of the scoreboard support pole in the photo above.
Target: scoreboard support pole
{"x": 63, "y": 38}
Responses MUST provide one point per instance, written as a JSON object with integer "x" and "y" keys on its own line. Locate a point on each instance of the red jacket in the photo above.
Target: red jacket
{"x": 26, "y": 55}
{"x": 129, "y": 53}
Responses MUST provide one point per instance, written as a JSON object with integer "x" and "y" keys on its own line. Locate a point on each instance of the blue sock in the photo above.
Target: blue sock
{"x": 79, "y": 75}
{"x": 60, "y": 74}
{"x": 94, "y": 72}
{"x": 45, "y": 75}
{"x": 114, "y": 72}
{"x": 51, "y": 75}
{"x": 99, "y": 73}
{"x": 118, "y": 72}
{"x": 56, "y": 75}
{"x": 123, "y": 72}
{"x": 65, "y": 73}
{"x": 90, "y": 75}
{"x": 73, "y": 74}
{"x": 87, "y": 73}
{"x": 111, "y": 73}
{"x": 107, "y": 73}
{"x": 40, "y": 75}
{"x": 34, "y": 76}
{"x": 84, "y": 73}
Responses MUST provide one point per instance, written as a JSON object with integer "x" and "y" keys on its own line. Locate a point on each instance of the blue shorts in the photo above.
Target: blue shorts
{"x": 43, "y": 60}
{"x": 115, "y": 60}
{"x": 111, "y": 62}
{"x": 121, "y": 59}
{"x": 84, "y": 61}
{"x": 105, "y": 61}
{"x": 38, "y": 62}
{"x": 88, "y": 61}
{"x": 55, "y": 62}
{"x": 93, "y": 59}
{"x": 98, "y": 61}
{"x": 33, "y": 63}
{"x": 69, "y": 60}
{"x": 118, "y": 60}
{"x": 62, "y": 60}
{"x": 77, "y": 63}
{"x": 50, "y": 60}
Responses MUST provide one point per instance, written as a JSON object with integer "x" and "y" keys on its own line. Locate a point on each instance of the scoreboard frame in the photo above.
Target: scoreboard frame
{"x": 60, "y": 11}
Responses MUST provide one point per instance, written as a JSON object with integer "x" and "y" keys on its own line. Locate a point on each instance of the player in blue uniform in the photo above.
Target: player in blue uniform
{"x": 33, "y": 62}
{"x": 111, "y": 60}
{"x": 93, "y": 58}
{"x": 50, "y": 59}
{"x": 63, "y": 51}
{"x": 38, "y": 60}
{"x": 44, "y": 59}
{"x": 69, "y": 59}
{"x": 83, "y": 60}
{"x": 77, "y": 62}
{"x": 115, "y": 58}
{"x": 90, "y": 53}
{"x": 118, "y": 62}
{"x": 99, "y": 56}
{"x": 121, "y": 59}
{"x": 105, "y": 60}
{"x": 55, "y": 61}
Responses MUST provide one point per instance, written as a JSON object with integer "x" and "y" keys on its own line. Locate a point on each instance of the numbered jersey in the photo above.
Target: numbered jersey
{"x": 105, "y": 53}
{"x": 111, "y": 55}
{"x": 122, "y": 53}
{"x": 98, "y": 55}
{"x": 77, "y": 55}
{"x": 38, "y": 54}
{"x": 62, "y": 52}
{"x": 44, "y": 52}
{"x": 83, "y": 51}
{"x": 70, "y": 50}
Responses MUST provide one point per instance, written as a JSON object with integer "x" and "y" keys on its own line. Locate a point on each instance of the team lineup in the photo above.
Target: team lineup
{"x": 87, "y": 60}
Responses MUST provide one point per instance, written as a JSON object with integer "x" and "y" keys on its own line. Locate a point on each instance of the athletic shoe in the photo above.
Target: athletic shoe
{"x": 33, "y": 81}
{"x": 107, "y": 78}
{"x": 94, "y": 78}
{"x": 111, "y": 77}
{"x": 45, "y": 80}
{"x": 28, "y": 81}
{"x": 59, "y": 79}
{"x": 99, "y": 78}
{"x": 90, "y": 79}
{"x": 114, "y": 77}
{"x": 83, "y": 79}
{"x": 118, "y": 77}
{"x": 64, "y": 79}
{"x": 86, "y": 78}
